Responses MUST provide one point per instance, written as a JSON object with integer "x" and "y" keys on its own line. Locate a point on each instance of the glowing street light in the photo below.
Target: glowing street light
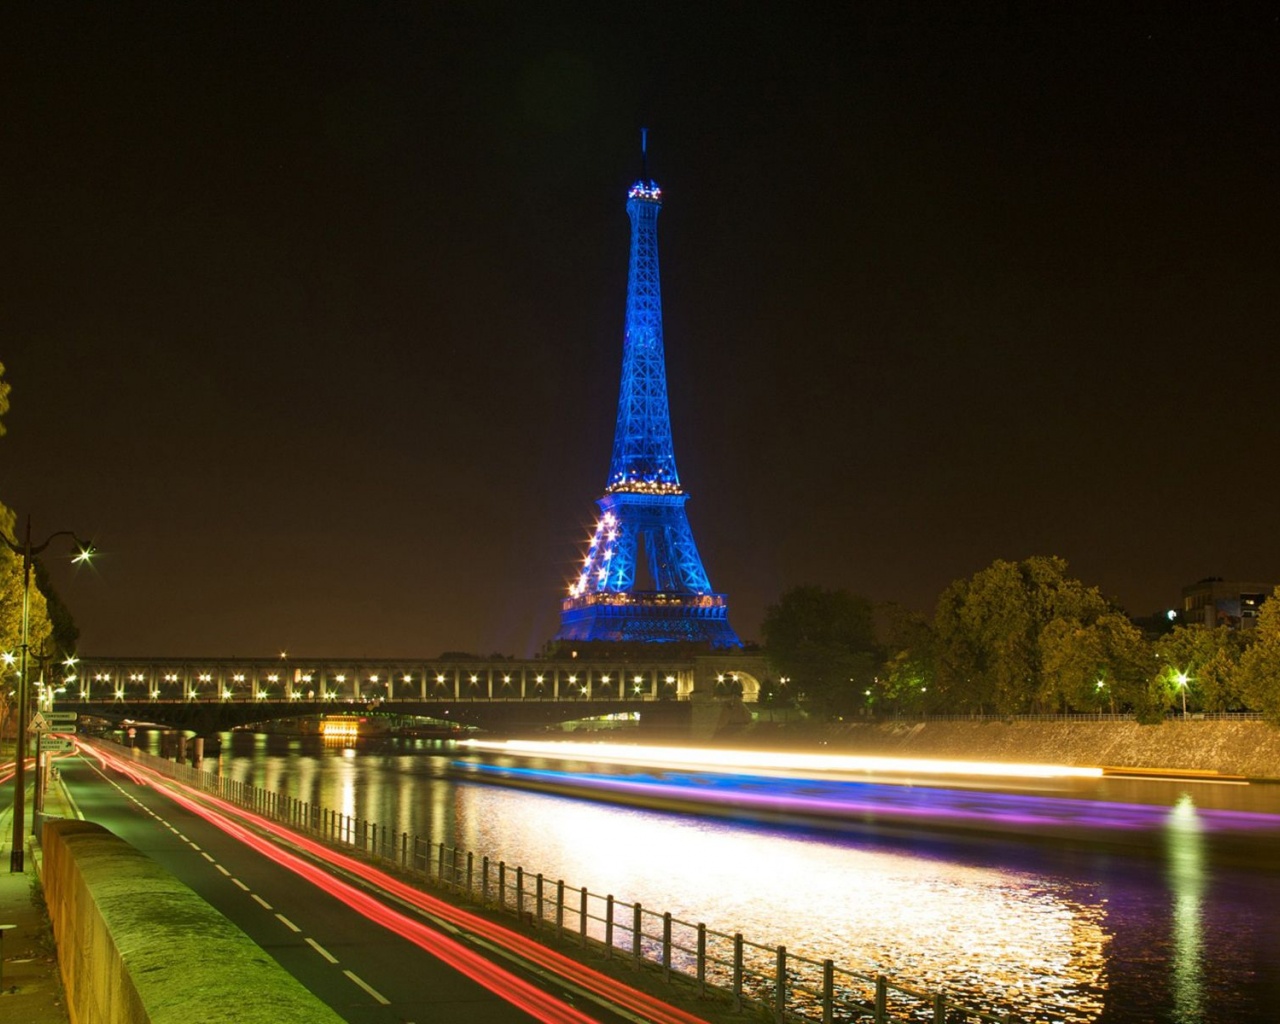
{"x": 84, "y": 551}
{"x": 1181, "y": 679}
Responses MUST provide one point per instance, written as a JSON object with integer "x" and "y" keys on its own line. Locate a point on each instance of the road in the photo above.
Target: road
{"x": 366, "y": 959}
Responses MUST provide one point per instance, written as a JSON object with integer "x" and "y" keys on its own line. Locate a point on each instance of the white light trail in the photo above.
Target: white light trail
{"x": 772, "y": 761}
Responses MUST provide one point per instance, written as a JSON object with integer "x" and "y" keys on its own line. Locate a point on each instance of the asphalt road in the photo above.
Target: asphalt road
{"x": 365, "y": 972}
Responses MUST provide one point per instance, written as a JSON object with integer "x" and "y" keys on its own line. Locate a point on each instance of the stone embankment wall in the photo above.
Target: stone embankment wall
{"x": 1248, "y": 748}
{"x": 136, "y": 946}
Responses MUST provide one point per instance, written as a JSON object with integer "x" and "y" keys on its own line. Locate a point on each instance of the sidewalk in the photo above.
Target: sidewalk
{"x": 31, "y": 985}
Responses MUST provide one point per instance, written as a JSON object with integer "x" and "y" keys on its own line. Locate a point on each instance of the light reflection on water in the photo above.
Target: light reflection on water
{"x": 1112, "y": 935}
{"x": 980, "y": 930}
{"x": 1186, "y": 873}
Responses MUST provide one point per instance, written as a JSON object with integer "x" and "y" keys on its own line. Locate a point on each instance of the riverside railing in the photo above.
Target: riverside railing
{"x": 779, "y": 982}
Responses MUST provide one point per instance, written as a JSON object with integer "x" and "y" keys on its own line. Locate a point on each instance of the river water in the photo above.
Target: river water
{"x": 1113, "y": 901}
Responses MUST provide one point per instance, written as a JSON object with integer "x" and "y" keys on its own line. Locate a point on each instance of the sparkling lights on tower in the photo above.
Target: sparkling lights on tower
{"x": 642, "y": 579}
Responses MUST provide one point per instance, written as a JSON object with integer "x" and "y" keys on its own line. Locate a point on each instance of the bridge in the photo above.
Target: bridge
{"x": 212, "y": 694}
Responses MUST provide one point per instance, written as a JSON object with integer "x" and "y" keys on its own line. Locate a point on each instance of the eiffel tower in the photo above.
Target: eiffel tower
{"x": 642, "y": 580}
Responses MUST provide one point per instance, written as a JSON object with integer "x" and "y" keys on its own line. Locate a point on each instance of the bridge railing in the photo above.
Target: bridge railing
{"x": 773, "y": 980}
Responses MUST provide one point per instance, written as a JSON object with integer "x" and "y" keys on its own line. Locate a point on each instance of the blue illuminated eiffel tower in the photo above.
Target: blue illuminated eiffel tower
{"x": 642, "y": 580}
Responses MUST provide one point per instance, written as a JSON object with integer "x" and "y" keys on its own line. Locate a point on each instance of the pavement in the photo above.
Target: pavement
{"x": 30, "y": 981}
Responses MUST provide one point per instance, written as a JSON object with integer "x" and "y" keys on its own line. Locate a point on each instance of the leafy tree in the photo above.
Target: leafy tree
{"x": 988, "y": 630}
{"x": 907, "y": 678}
{"x": 64, "y": 634}
{"x": 1259, "y": 673}
{"x": 1209, "y": 658}
{"x": 1101, "y": 665}
{"x": 11, "y": 586}
{"x": 824, "y": 640}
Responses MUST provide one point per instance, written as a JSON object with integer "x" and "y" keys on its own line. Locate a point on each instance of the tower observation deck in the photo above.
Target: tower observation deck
{"x": 642, "y": 580}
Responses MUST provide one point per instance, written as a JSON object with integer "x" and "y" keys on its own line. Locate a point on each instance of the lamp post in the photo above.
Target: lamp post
{"x": 27, "y": 551}
{"x": 1182, "y": 685}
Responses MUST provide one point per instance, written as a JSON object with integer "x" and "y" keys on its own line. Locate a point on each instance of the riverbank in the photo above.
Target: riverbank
{"x": 1246, "y": 748}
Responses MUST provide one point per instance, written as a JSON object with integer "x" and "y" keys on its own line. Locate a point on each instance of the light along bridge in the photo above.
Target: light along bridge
{"x": 210, "y": 694}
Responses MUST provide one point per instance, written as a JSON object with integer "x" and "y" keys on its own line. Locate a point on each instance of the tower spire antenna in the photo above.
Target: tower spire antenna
{"x": 644, "y": 154}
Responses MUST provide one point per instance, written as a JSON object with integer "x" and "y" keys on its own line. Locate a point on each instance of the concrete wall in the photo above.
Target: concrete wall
{"x": 1249, "y": 748}
{"x": 136, "y": 946}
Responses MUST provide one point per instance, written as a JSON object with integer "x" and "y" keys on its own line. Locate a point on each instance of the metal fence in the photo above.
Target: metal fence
{"x": 786, "y": 986}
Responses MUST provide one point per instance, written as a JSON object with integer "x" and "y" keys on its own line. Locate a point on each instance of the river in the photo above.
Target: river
{"x": 1118, "y": 901}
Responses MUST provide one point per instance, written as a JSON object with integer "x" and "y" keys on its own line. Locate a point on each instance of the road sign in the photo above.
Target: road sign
{"x": 38, "y": 723}
{"x": 56, "y": 718}
{"x": 56, "y": 744}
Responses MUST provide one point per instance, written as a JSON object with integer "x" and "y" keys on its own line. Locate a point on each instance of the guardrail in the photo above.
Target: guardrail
{"x": 785, "y": 985}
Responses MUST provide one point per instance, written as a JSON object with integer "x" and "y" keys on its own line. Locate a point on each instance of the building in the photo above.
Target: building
{"x": 1214, "y": 601}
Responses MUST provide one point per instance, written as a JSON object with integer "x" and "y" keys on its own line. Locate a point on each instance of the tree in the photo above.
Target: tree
{"x": 4, "y": 399}
{"x": 907, "y": 679}
{"x": 1259, "y": 672}
{"x": 988, "y": 630}
{"x": 1208, "y": 658}
{"x": 824, "y": 640}
{"x": 1105, "y": 664}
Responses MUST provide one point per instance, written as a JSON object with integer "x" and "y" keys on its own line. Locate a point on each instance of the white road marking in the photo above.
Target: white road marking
{"x": 206, "y": 856}
{"x": 322, "y": 951}
{"x": 288, "y": 924}
{"x": 261, "y": 900}
{"x": 377, "y": 996}
{"x": 223, "y": 870}
{"x": 241, "y": 884}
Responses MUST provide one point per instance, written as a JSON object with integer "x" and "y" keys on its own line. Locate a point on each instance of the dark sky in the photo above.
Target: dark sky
{"x": 313, "y": 312}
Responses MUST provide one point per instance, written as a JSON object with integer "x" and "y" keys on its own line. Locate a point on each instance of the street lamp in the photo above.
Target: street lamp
{"x": 84, "y": 552}
{"x": 1181, "y": 678}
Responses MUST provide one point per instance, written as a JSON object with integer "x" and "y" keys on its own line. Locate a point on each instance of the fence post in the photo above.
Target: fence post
{"x": 882, "y": 999}
{"x": 453, "y": 869}
{"x": 582, "y": 916}
{"x": 608, "y": 926}
{"x": 537, "y": 902}
{"x": 637, "y": 927}
{"x": 560, "y": 909}
{"x": 519, "y": 890}
{"x": 780, "y": 987}
{"x": 404, "y": 849}
{"x": 737, "y": 972}
{"x": 828, "y": 991}
{"x": 702, "y": 959}
{"x": 939, "y": 1008}
{"x": 666, "y": 946}
{"x": 484, "y": 879}
{"x": 471, "y": 872}
{"x": 502, "y": 885}
{"x": 440, "y": 864}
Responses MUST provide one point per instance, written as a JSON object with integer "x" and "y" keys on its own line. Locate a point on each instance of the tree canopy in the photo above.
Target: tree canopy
{"x": 824, "y": 642}
{"x": 989, "y": 630}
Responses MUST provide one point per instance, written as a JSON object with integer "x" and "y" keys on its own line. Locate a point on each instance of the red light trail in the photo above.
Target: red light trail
{"x": 510, "y": 987}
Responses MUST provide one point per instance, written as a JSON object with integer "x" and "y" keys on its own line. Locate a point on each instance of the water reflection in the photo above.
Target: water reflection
{"x": 997, "y": 935}
{"x": 1109, "y": 931}
{"x": 1185, "y": 869}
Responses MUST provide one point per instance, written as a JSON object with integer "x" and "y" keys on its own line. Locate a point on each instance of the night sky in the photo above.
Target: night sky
{"x": 313, "y": 313}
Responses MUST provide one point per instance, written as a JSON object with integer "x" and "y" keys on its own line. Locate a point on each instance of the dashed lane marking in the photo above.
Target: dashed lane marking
{"x": 223, "y": 870}
{"x": 288, "y": 924}
{"x": 206, "y": 856}
{"x": 321, "y": 950}
{"x": 264, "y": 903}
{"x": 241, "y": 884}
{"x": 378, "y": 997}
